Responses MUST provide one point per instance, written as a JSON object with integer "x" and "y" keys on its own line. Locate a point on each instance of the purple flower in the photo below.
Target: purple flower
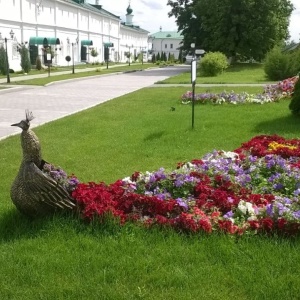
{"x": 228, "y": 215}
{"x": 269, "y": 209}
{"x": 182, "y": 203}
{"x": 296, "y": 214}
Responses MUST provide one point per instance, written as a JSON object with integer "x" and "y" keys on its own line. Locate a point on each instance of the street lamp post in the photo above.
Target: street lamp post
{"x": 129, "y": 54}
{"x": 142, "y": 52}
{"x": 73, "y": 58}
{"x": 73, "y": 65}
{"x": 6, "y": 55}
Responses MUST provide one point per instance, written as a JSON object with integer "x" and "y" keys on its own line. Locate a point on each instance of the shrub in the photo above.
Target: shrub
{"x": 3, "y": 65}
{"x": 295, "y": 102}
{"x": 38, "y": 63}
{"x": 213, "y": 63}
{"x": 153, "y": 59}
{"x": 94, "y": 52}
{"x": 25, "y": 59}
{"x": 277, "y": 65}
{"x": 68, "y": 58}
{"x": 294, "y": 64}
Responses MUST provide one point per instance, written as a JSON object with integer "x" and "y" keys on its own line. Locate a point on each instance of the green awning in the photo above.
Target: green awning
{"x": 36, "y": 40}
{"x": 86, "y": 43}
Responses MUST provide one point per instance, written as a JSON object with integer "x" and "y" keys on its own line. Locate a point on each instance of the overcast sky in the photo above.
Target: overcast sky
{"x": 151, "y": 14}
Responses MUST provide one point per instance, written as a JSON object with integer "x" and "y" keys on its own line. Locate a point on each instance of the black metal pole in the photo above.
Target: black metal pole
{"x": 7, "y": 63}
{"x": 107, "y": 57}
{"x": 193, "y": 104}
{"x": 129, "y": 57}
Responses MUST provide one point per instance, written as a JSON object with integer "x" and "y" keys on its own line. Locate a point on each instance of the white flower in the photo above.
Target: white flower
{"x": 246, "y": 208}
{"x": 242, "y": 207}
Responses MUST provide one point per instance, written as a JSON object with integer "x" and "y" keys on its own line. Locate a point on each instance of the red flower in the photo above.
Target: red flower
{"x": 254, "y": 224}
{"x": 228, "y": 226}
{"x": 267, "y": 224}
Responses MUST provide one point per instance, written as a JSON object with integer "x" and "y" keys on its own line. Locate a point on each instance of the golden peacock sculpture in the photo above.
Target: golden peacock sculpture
{"x": 34, "y": 192}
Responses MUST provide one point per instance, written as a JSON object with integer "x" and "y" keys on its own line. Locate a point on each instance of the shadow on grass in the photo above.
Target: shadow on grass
{"x": 280, "y": 126}
{"x": 154, "y": 136}
{"x": 15, "y": 226}
{"x": 242, "y": 67}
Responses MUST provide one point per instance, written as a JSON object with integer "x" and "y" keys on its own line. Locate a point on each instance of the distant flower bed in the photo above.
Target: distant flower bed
{"x": 271, "y": 93}
{"x": 250, "y": 190}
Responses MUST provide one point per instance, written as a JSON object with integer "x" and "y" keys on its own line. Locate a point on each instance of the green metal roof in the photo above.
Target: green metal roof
{"x": 91, "y": 7}
{"x": 134, "y": 27}
{"x": 167, "y": 34}
{"x": 86, "y": 43}
{"x": 36, "y": 40}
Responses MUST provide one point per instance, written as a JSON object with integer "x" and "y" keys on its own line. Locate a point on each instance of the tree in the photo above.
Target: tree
{"x": 157, "y": 56}
{"x": 38, "y": 63}
{"x": 3, "y": 63}
{"x": 153, "y": 58}
{"x": 25, "y": 59}
{"x": 246, "y": 27}
{"x": 294, "y": 105}
{"x": 180, "y": 55}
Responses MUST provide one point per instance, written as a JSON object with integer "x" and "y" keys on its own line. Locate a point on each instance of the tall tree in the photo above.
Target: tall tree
{"x": 25, "y": 59}
{"x": 247, "y": 27}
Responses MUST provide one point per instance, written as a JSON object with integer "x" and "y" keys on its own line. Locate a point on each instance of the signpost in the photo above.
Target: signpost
{"x": 193, "y": 75}
{"x": 193, "y": 80}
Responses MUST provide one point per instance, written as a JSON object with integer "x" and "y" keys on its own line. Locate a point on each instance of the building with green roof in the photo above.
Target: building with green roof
{"x": 166, "y": 41}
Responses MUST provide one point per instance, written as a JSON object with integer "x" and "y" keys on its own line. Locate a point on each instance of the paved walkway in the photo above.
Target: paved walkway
{"x": 63, "y": 98}
{"x": 28, "y": 77}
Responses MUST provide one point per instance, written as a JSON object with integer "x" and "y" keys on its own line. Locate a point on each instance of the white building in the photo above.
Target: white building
{"x": 66, "y": 27}
{"x": 168, "y": 42}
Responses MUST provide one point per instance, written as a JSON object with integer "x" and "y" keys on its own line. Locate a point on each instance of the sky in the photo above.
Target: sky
{"x": 151, "y": 14}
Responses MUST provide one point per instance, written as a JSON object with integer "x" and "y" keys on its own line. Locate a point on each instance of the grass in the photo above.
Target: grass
{"x": 61, "y": 257}
{"x": 94, "y": 71}
{"x": 55, "y": 69}
{"x": 238, "y": 73}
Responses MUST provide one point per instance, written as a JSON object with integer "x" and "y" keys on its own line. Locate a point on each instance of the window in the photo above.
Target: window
{"x": 171, "y": 46}
{"x": 166, "y": 46}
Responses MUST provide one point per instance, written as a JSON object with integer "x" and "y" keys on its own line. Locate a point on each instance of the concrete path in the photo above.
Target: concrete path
{"x": 63, "y": 98}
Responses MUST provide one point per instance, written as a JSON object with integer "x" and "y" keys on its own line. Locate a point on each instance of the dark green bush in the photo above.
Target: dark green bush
{"x": 3, "y": 65}
{"x": 294, "y": 105}
{"x": 38, "y": 63}
{"x": 213, "y": 63}
{"x": 294, "y": 64}
{"x": 25, "y": 59}
{"x": 278, "y": 65}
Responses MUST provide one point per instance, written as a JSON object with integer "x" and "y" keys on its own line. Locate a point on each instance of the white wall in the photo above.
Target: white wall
{"x": 68, "y": 22}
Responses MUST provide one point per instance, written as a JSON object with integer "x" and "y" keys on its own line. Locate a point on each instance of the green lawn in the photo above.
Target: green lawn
{"x": 94, "y": 70}
{"x": 238, "y": 73}
{"x": 61, "y": 257}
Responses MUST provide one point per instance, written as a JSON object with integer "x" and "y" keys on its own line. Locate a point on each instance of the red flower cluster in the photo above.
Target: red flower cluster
{"x": 97, "y": 200}
{"x": 214, "y": 198}
{"x": 287, "y": 85}
{"x": 260, "y": 146}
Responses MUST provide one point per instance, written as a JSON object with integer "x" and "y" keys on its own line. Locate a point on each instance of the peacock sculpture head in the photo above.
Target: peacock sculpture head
{"x": 25, "y": 124}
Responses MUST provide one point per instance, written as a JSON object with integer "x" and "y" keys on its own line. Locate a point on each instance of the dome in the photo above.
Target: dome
{"x": 129, "y": 10}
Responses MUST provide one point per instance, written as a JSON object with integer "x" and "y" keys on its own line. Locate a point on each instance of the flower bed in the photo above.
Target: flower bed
{"x": 271, "y": 93}
{"x": 253, "y": 189}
